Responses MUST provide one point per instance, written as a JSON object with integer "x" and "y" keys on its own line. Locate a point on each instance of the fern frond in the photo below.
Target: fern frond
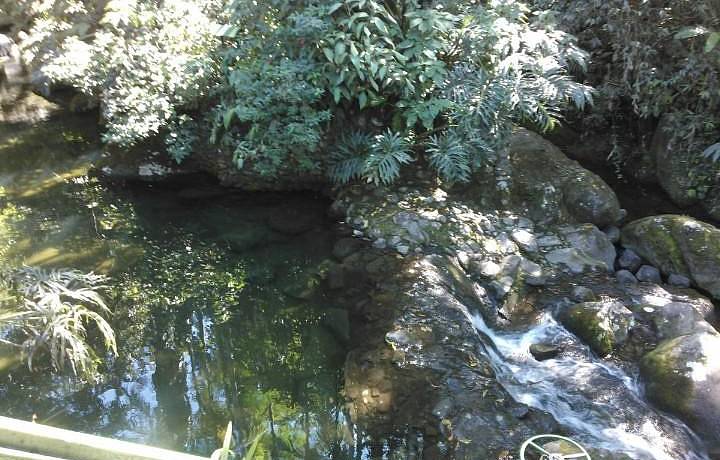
{"x": 450, "y": 157}
{"x": 388, "y": 152}
{"x": 347, "y": 160}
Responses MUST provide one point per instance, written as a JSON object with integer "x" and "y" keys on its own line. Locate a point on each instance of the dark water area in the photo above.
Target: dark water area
{"x": 643, "y": 200}
{"x": 217, "y": 298}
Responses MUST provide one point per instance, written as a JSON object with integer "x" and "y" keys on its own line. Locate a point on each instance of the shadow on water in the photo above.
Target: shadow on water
{"x": 218, "y": 303}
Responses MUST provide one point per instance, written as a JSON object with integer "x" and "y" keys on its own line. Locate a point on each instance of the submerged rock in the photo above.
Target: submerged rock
{"x": 543, "y": 351}
{"x": 678, "y": 245}
{"x": 294, "y": 220}
{"x": 346, "y": 246}
{"x": 682, "y": 375}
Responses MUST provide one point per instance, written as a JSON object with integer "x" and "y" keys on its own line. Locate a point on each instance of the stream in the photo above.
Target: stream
{"x": 599, "y": 402}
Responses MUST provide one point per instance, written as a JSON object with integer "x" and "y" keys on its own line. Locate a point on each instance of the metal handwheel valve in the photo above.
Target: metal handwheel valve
{"x": 533, "y": 449}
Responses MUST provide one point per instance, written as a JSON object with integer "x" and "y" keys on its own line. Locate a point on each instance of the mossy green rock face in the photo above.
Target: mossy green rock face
{"x": 682, "y": 376}
{"x": 602, "y": 325}
{"x": 678, "y": 244}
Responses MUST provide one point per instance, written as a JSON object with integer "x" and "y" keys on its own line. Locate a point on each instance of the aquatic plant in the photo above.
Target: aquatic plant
{"x": 51, "y": 314}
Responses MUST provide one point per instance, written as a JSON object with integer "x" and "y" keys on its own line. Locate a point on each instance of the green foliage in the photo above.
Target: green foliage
{"x": 52, "y": 313}
{"x": 375, "y": 159}
{"x": 347, "y": 161}
{"x": 713, "y": 152}
{"x": 225, "y": 453}
{"x": 652, "y": 59}
{"x": 388, "y": 152}
{"x": 182, "y": 137}
{"x": 454, "y": 75}
{"x": 143, "y": 62}
{"x": 273, "y": 104}
{"x": 283, "y": 77}
{"x": 450, "y": 157}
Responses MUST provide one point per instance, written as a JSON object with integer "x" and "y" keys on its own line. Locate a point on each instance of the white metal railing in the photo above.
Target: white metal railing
{"x": 20, "y": 440}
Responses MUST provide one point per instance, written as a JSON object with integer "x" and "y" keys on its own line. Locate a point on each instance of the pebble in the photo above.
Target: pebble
{"x": 525, "y": 240}
{"x": 464, "y": 260}
{"x": 548, "y": 240}
{"x": 488, "y": 268}
{"x": 533, "y": 273}
{"x": 380, "y": 243}
{"x": 403, "y": 249}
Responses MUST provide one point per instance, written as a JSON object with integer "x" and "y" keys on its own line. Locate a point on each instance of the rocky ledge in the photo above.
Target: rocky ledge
{"x": 461, "y": 250}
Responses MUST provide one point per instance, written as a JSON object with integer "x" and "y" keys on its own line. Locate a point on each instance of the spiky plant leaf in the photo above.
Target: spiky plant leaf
{"x": 450, "y": 157}
{"x": 55, "y": 310}
{"x": 347, "y": 160}
{"x": 388, "y": 152}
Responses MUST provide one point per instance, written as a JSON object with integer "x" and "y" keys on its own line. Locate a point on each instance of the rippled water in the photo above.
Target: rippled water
{"x": 598, "y": 401}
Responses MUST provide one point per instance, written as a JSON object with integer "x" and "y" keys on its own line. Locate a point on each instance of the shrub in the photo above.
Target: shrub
{"x": 437, "y": 82}
{"x": 649, "y": 59}
{"x": 412, "y": 77}
{"x": 144, "y": 61}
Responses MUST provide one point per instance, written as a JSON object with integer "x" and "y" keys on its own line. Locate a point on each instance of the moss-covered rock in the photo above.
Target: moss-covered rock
{"x": 682, "y": 376}
{"x": 602, "y": 325}
{"x": 678, "y": 244}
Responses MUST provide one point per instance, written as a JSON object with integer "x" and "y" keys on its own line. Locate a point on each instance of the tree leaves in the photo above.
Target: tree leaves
{"x": 712, "y": 152}
{"x": 464, "y": 73}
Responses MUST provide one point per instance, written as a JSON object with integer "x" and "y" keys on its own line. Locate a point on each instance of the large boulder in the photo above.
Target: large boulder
{"x": 549, "y": 186}
{"x": 677, "y": 172}
{"x": 672, "y": 319}
{"x": 682, "y": 375}
{"x": 680, "y": 245}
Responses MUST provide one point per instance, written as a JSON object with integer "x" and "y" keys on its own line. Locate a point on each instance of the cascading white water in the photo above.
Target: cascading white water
{"x": 596, "y": 400}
